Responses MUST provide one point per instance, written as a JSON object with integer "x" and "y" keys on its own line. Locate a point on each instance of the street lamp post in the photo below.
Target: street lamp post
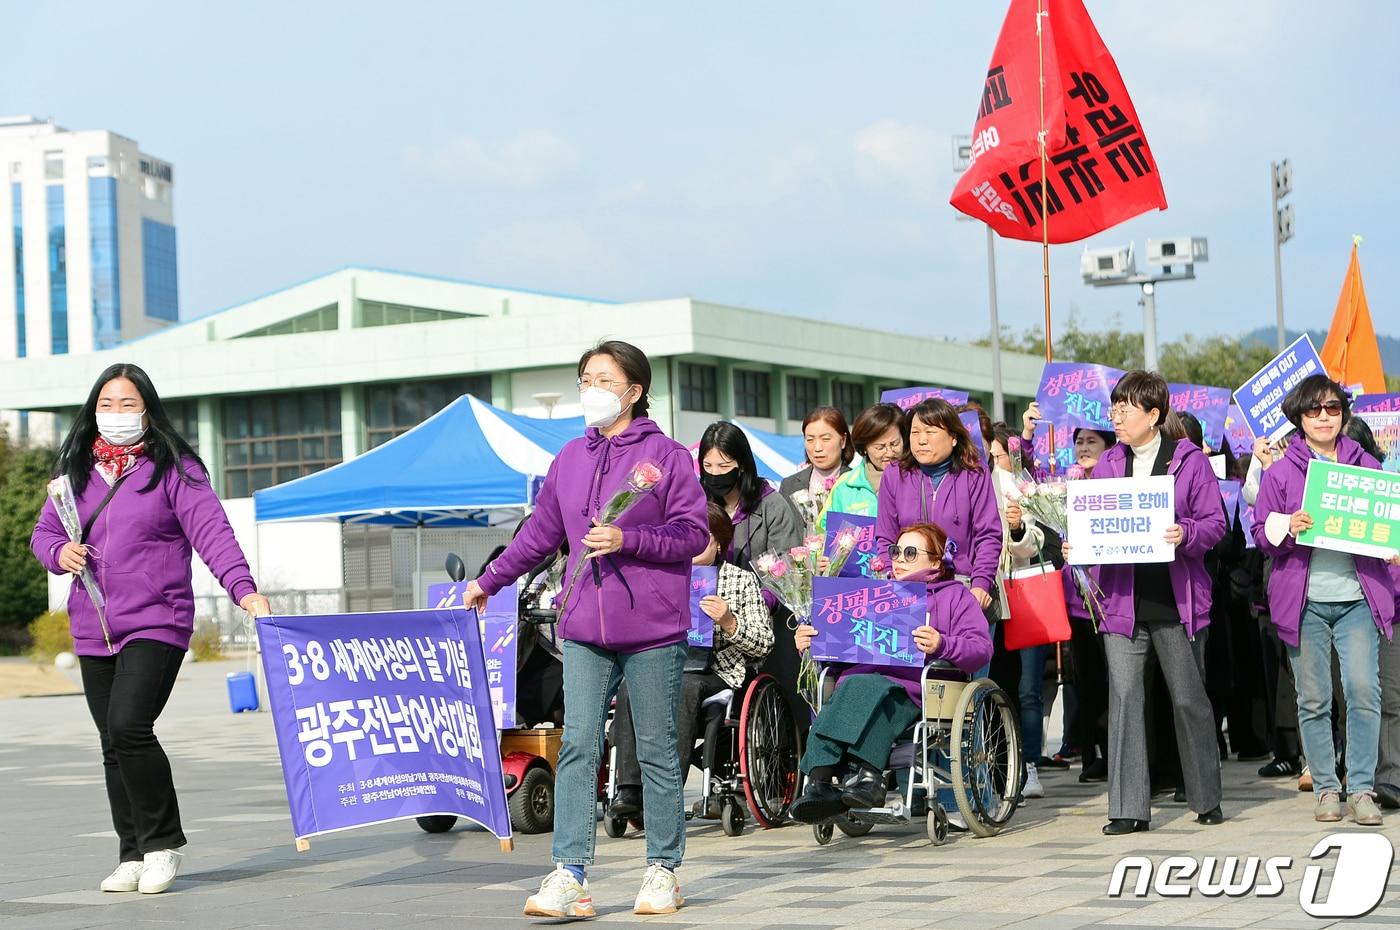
{"x": 1175, "y": 260}
{"x": 962, "y": 157}
{"x": 1283, "y": 231}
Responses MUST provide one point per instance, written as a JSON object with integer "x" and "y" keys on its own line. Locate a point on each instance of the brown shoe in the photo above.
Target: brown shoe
{"x": 1305, "y": 780}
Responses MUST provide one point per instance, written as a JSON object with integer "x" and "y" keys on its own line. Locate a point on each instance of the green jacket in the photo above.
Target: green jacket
{"x": 852, "y": 494}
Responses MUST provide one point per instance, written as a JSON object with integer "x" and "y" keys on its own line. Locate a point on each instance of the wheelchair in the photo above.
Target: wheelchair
{"x": 967, "y": 744}
{"x": 747, "y": 752}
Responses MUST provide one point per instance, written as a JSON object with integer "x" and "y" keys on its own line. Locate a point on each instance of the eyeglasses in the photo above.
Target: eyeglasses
{"x": 886, "y": 448}
{"x": 909, "y": 553}
{"x": 606, "y": 384}
{"x": 1333, "y": 408}
{"x": 1120, "y": 411}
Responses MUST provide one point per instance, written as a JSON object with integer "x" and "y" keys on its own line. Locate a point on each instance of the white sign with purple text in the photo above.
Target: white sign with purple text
{"x": 1116, "y": 521}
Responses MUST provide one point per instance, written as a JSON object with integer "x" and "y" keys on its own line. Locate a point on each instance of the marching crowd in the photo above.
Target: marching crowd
{"x": 1245, "y": 643}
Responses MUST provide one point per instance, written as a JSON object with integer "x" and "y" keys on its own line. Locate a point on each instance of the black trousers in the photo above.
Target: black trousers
{"x": 125, "y": 694}
{"x": 1091, "y": 690}
{"x": 695, "y": 688}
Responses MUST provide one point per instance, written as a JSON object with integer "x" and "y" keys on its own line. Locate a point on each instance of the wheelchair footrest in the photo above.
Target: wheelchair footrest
{"x": 894, "y": 813}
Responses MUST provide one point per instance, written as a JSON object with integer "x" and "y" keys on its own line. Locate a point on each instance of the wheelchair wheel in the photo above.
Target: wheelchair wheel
{"x": 768, "y": 752}
{"x": 614, "y": 826}
{"x": 436, "y": 823}
{"x": 937, "y": 824}
{"x": 854, "y": 827}
{"x": 985, "y": 758}
{"x": 822, "y": 831}
{"x": 731, "y": 818}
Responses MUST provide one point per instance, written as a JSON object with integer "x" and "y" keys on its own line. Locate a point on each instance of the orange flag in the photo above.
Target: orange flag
{"x": 1351, "y": 353}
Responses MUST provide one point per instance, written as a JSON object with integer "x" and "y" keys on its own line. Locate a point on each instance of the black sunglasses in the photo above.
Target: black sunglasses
{"x": 909, "y": 552}
{"x": 1333, "y": 408}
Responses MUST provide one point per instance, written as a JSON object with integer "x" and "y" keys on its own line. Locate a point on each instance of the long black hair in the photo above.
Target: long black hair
{"x": 730, "y": 440}
{"x": 165, "y": 447}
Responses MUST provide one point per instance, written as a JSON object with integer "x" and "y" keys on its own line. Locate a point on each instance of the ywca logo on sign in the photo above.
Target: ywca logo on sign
{"x": 1358, "y": 879}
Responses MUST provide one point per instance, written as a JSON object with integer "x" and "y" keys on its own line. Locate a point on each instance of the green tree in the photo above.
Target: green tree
{"x": 24, "y": 473}
{"x": 1222, "y": 361}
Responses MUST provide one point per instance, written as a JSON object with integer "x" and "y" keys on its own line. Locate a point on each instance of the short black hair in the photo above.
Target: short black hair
{"x": 633, "y": 362}
{"x": 1311, "y": 392}
{"x": 731, "y": 440}
{"x": 1145, "y": 390}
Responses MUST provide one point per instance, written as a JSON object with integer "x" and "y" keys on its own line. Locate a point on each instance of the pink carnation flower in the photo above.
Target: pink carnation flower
{"x": 779, "y": 569}
{"x": 646, "y": 475}
{"x": 813, "y": 542}
{"x": 830, "y": 483}
{"x": 1074, "y": 472}
{"x": 799, "y": 553}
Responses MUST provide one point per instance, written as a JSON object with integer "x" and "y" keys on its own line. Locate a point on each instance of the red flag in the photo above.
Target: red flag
{"x": 1100, "y": 171}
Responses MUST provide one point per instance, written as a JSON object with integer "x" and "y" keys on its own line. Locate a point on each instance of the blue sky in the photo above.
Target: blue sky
{"x": 782, "y": 155}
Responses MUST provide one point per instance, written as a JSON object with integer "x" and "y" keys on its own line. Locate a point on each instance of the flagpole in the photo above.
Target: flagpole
{"x": 1040, "y": 15}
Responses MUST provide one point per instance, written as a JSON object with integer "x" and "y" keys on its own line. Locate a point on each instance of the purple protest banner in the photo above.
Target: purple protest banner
{"x": 1376, "y": 403}
{"x": 867, "y": 621}
{"x": 1237, "y": 432}
{"x": 381, "y": 717}
{"x": 1072, "y": 394}
{"x": 973, "y": 422}
{"x": 905, "y": 398}
{"x": 704, "y": 582}
{"x": 499, "y": 625}
{"x": 1210, "y": 405}
{"x": 1385, "y": 429}
{"x": 857, "y": 564}
{"x": 1247, "y": 522}
{"x": 1230, "y": 495}
{"x": 1260, "y": 399}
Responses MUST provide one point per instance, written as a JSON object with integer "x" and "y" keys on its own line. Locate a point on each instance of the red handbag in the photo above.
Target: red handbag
{"x": 1035, "y": 597}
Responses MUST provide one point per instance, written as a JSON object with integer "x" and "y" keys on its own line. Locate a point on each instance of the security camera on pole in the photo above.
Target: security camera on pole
{"x": 1175, "y": 260}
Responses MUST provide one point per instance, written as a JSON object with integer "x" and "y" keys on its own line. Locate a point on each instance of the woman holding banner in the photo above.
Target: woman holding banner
{"x": 625, "y": 612}
{"x": 1159, "y": 608}
{"x": 1322, "y": 600}
{"x": 134, "y": 539}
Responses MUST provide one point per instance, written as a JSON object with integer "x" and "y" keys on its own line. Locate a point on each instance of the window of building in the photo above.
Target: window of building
{"x": 394, "y": 409}
{"x": 106, "y": 281}
{"x": 184, "y": 416}
{"x": 801, "y": 396}
{"x": 849, "y": 398}
{"x": 58, "y": 271}
{"x": 699, "y": 387}
{"x": 97, "y": 166}
{"x": 53, "y": 166}
{"x": 375, "y": 313}
{"x": 272, "y": 438}
{"x": 17, "y": 212}
{"x": 752, "y": 393}
{"x": 320, "y": 320}
{"x": 158, "y": 262}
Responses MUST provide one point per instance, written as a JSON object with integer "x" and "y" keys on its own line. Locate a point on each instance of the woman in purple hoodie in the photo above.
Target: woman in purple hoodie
{"x": 144, "y": 502}
{"x": 626, "y": 615}
{"x": 1321, "y": 600}
{"x": 942, "y": 480}
{"x": 1159, "y": 608}
{"x": 873, "y": 705}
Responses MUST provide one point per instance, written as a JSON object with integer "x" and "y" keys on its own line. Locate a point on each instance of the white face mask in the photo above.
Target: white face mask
{"x": 601, "y": 407}
{"x": 121, "y": 429}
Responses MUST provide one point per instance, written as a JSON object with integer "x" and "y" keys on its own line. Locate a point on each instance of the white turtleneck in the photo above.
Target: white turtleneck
{"x": 1145, "y": 456}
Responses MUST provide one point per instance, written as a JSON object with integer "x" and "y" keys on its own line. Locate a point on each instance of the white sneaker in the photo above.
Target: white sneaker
{"x": 1033, "y": 788}
{"x": 560, "y": 895}
{"x": 159, "y": 870}
{"x": 660, "y": 894}
{"x": 127, "y": 877}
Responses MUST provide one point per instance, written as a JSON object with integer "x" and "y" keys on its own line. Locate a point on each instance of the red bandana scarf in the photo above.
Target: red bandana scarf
{"x": 114, "y": 461}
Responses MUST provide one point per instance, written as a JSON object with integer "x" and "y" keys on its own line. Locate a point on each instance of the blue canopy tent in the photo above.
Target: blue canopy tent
{"x": 776, "y": 456}
{"x": 452, "y": 469}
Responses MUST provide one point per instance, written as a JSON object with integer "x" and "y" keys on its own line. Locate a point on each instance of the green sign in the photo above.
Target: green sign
{"x": 1354, "y": 509}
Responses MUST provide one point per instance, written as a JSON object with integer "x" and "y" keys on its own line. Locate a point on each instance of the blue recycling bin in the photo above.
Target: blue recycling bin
{"x": 242, "y": 692}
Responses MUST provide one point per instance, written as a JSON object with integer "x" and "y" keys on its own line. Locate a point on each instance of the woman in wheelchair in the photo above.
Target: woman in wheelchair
{"x": 743, "y": 636}
{"x": 873, "y": 705}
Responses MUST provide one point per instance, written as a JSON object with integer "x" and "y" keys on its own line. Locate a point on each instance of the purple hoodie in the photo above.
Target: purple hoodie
{"x": 1281, "y": 491}
{"x": 1201, "y": 516}
{"x": 644, "y": 600}
{"x": 142, "y": 546}
{"x": 964, "y": 637}
{"x": 965, "y": 507}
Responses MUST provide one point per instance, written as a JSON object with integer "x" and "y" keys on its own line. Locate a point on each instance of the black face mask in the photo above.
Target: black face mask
{"x": 721, "y": 484}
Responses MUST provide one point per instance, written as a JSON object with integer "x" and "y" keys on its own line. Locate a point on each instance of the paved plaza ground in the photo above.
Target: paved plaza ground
{"x": 1049, "y": 870}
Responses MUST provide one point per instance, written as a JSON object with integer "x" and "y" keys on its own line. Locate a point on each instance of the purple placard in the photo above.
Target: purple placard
{"x": 1230, "y": 494}
{"x": 1208, "y": 404}
{"x": 1072, "y": 394}
{"x": 905, "y": 398}
{"x": 973, "y": 422}
{"x": 858, "y": 563}
{"x": 499, "y": 627}
{"x": 864, "y": 621}
{"x": 1376, "y": 403}
{"x": 1237, "y": 432}
{"x": 1247, "y": 522}
{"x": 1260, "y": 399}
{"x": 382, "y": 717}
{"x": 704, "y": 582}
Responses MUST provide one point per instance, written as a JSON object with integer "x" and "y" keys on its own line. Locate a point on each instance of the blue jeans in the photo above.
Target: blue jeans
{"x": 1033, "y": 702}
{"x": 1350, "y": 628}
{"x": 591, "y": 678}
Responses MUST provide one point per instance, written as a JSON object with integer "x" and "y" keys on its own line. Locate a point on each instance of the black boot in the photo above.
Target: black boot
{"x": 1120, "y": 826}
{"x": 819, "y": 801}
{"x": 865, "y": 790}
{"x": 627, "y": 802}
